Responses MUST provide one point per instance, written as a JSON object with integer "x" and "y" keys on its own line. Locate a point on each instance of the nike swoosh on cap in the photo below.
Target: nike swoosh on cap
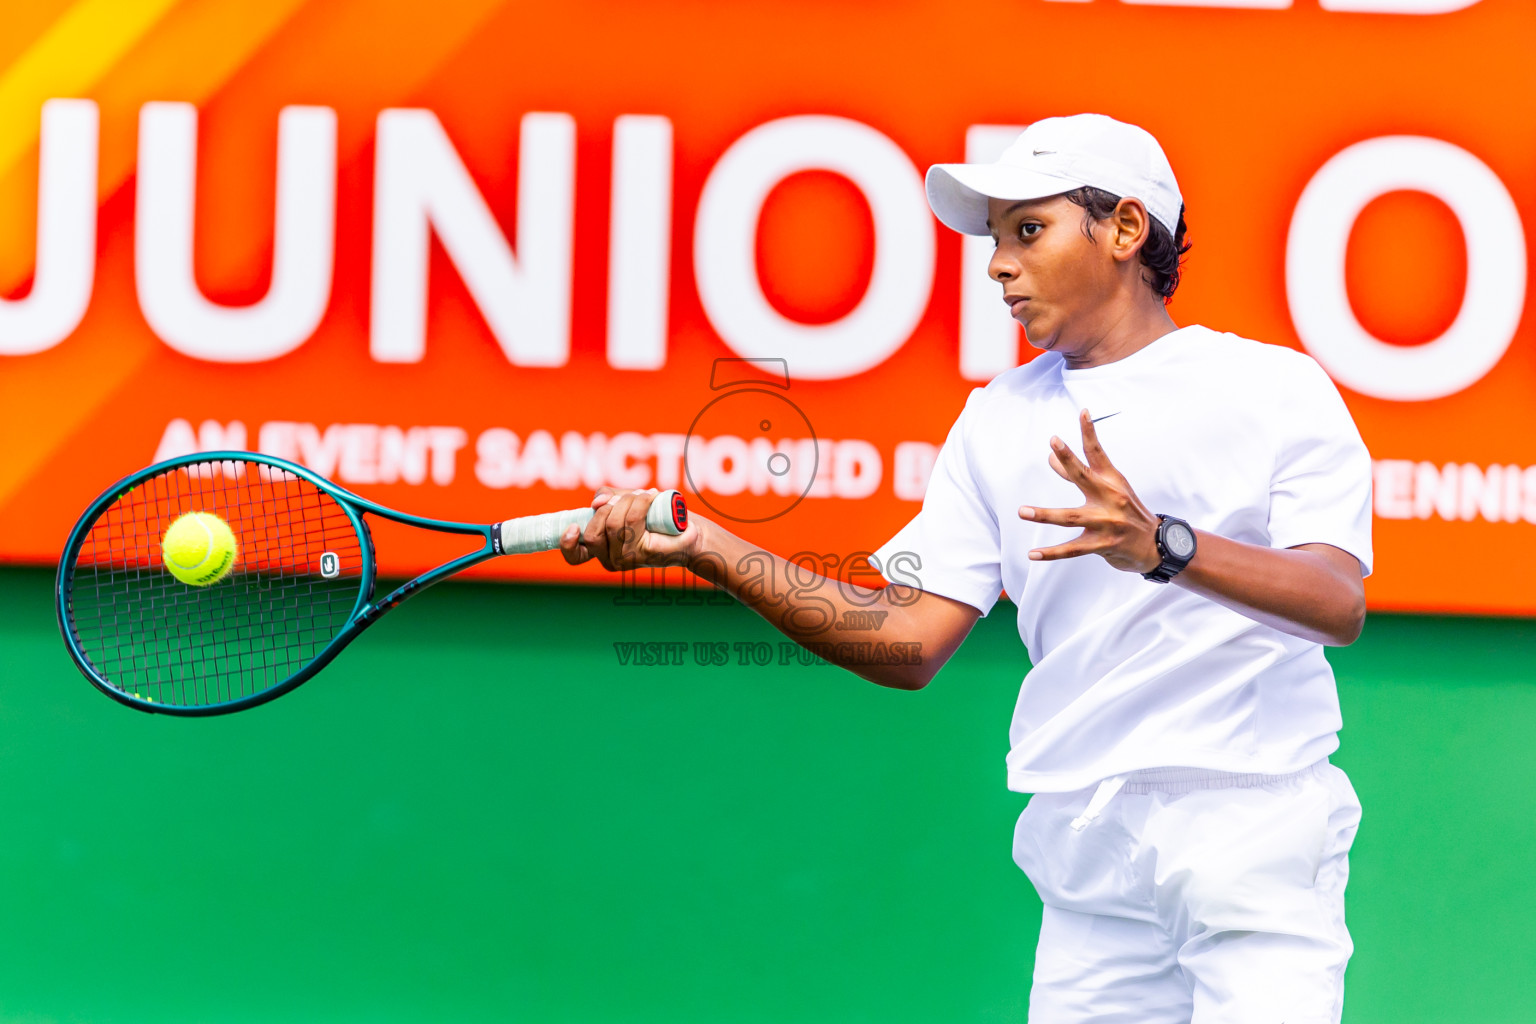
{"x": 1104, "y": 417}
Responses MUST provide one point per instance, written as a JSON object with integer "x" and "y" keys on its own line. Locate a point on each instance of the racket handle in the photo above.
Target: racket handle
{"x": 668, "y": 515}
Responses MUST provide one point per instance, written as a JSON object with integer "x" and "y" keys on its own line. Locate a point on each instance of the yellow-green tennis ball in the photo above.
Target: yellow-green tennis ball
{"x": 199, "y": 548}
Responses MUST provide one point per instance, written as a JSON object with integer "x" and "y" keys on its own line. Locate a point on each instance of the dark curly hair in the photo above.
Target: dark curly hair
{"x": 1162, "y": 254}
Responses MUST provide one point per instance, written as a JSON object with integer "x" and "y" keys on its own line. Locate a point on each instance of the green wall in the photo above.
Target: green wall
{"x": 477, "y": 814}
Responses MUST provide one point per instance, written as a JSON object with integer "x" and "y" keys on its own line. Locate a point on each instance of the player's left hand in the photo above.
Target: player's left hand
{"x": 1115, "y": 523}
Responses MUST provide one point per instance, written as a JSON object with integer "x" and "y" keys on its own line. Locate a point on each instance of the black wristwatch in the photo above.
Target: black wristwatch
{"x": 1176, "y": 545}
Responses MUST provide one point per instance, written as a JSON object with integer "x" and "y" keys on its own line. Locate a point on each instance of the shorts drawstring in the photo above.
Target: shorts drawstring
{"x": 1101, "y": 798}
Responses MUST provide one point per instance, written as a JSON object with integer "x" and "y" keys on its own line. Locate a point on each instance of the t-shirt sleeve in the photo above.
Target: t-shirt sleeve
{"x": 1320, "y": 491}
{"x": 951, "y": 547}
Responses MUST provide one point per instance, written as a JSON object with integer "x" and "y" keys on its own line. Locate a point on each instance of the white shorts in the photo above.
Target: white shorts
{"x": 1192, "y": 896}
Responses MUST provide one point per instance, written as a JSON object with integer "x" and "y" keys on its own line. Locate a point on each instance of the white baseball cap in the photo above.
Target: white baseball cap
{"x": 1056, "y": 155}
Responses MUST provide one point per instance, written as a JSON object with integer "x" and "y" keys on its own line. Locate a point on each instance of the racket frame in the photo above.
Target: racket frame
{"x": 365, "y": 612}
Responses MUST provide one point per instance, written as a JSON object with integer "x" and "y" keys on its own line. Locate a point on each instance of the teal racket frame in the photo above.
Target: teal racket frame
{"x": 365, "y": 610}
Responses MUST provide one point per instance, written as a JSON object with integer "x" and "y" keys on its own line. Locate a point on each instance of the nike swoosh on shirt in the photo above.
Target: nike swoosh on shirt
{"x": 1104, "y": 417}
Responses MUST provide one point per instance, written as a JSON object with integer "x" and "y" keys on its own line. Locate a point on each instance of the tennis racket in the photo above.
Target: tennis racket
{"x": 300, "y": 590}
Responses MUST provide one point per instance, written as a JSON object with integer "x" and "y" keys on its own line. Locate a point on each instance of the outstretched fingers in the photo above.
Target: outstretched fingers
{"x": 1081, "y": 545}
{"x": 1068, "y": 466}
{"x": 1085, "y": 543}
{"x": 1113, "y": 521}
{"x": 1052, "y": 516}
{"x": 1093, "y": 451}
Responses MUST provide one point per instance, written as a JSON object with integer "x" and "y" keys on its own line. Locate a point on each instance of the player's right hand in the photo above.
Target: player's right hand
{"x": 616, "y": 535}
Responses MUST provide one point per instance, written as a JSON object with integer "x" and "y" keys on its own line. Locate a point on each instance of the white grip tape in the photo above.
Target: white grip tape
{"x": 542, "y": 532}
{"x": 539, "y": 533}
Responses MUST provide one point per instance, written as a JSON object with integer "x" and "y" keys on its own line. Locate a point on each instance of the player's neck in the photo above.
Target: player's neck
{"x": 1130, "y": 330}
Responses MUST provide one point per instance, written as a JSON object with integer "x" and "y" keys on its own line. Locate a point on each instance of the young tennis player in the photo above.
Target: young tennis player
{"x": 1177, "y": 575}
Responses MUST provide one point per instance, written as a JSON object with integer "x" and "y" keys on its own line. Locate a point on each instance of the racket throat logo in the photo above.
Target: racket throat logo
{"x": 330, "y": 565}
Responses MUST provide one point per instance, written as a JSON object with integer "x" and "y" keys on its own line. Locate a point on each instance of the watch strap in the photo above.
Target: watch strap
{"x": 1171, "y": 564}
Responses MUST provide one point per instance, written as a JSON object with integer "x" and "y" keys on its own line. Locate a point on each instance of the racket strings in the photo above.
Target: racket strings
{"x": 164, "y": 641}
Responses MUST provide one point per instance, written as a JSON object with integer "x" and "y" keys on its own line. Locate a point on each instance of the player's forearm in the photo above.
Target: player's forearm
{"x": 1303, "y": 591}
{"x": 879, "y": 642}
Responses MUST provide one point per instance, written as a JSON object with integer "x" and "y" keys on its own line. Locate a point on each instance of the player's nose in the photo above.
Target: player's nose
{"x": 1002, "y": 267}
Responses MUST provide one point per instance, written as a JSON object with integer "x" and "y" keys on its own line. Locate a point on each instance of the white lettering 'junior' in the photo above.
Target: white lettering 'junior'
{"x": 1245, "y": 440}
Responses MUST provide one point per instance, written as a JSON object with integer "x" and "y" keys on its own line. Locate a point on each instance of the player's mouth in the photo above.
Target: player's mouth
{"x": 1016, "y": 304}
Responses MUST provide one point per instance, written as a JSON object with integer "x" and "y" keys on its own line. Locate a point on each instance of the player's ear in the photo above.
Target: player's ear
{"x": 1129, "y": 226}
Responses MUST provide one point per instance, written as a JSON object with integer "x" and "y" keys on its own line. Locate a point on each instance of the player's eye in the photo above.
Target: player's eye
{"x": 1030, "y": 229}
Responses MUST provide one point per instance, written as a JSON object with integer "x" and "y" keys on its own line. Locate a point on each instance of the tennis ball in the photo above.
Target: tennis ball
{"x": 199, "y": 548}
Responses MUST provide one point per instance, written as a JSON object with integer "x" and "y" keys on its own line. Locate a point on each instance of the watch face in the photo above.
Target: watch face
{"x": 1180, "y": 540}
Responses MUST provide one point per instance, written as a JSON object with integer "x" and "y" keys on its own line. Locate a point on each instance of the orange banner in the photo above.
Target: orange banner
{"x": 473, "y": 258}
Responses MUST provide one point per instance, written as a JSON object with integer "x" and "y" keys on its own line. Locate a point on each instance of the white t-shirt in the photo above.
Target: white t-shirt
{"x": 1248, "y": 441}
